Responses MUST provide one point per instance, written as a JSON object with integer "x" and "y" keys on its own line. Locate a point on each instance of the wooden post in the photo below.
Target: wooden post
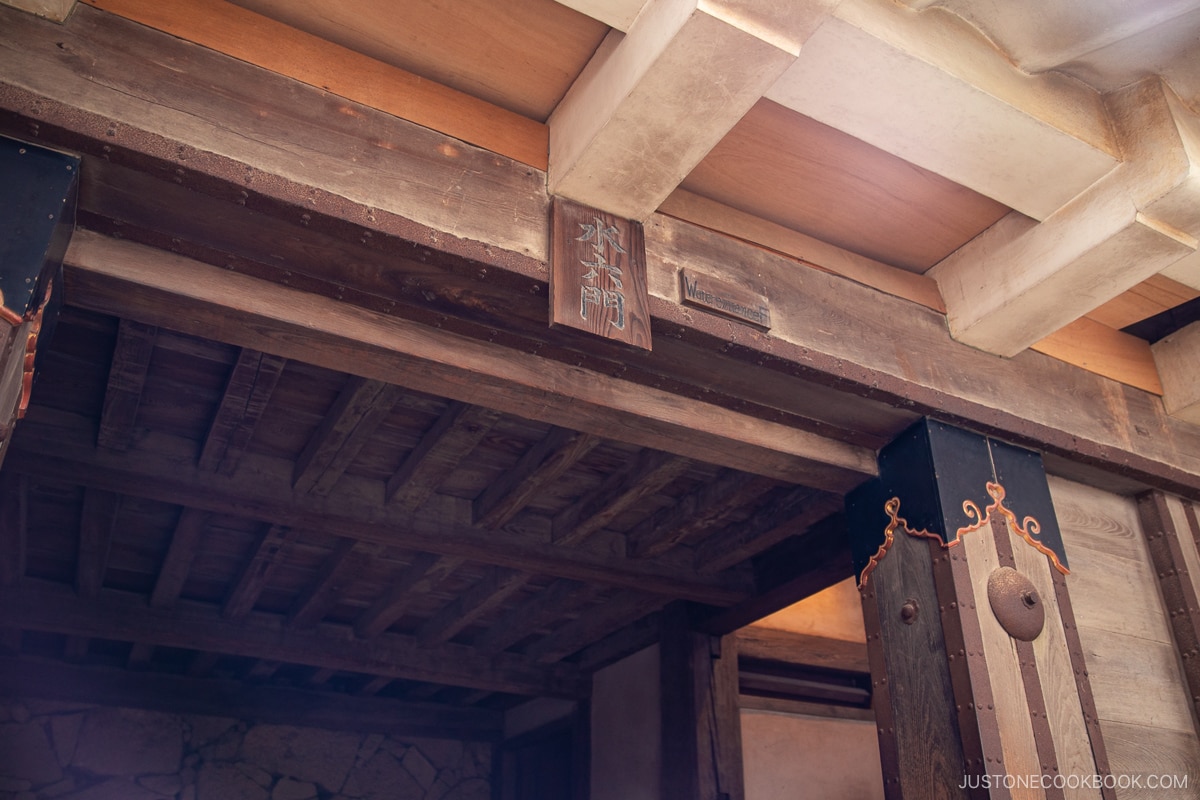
{"x": 701, "y": 723}
{"x": 980, "y": 688}
{"x": 37, "y": 214}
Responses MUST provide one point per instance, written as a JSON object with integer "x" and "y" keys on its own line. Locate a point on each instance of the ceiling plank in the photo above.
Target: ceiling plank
{"x": 447, "y": 442}
{"x": 492, "y": 590}
{"x": 14, "y": 532}
{"x": 1020, "y": 280}
{"x": 185, "y": 541}
{"x": 442, "y": 527}
{"x": 934, "y": 91}
{"x": 524, "y": 618}
{"x": 26, "y": 677}
{"x": 359, "y": 409}
{"x": 268, "y": 553}
{"x": 695, "y": 514}
{"x": 338, "y": 571}
{"x": 1104, "y": 351}
{"x": 97, "y": 523}
{"x": 787, "y": 512}
{"x": 422, "y": 575}
{"x": 121, "y": 616}
{"x": 593, "y": 625}
{"x": 251, "y": 383}
{"x": 140, "y": 656}
{"x": 1177, "y": 357}
{"x": 126, "y": 380}
{"x": 540, "y": 465}
{"x": 137, "y": 281}
{"x": 1152, "y": 296}
{"x": 650, "y": 471}
{"x": 646, "y": 109}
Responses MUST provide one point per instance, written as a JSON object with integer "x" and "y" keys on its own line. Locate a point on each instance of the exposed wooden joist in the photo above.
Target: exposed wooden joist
{"x": 126, "y": 380}
{"x": 785, "y": 513}
{"x": 359, "y": 409}
{"x": 594, "y": 624}
{"x": 695, "y": 514}
{"x": 139, "y": 656}
{"x": 422, "y": 575}
{"x": 185, "y": 541}
{"x": 97, "y": 522}
{"x": 263, "y": 669}
{"x": 491, "y": 591}
{"x": 650, "y": 104}
{"x": 268, "y": 553}
{"x": 649, "y": 472}
{"x": 934, "y": 91}
{"x": 250, "y": 385}
{"x": 523, "y": 619}
{"x": 202, "y": 664}
{"x": 442, "y": 527}
{"x": 131, "y": 280}
{"x": 771, "y": 644}
{"x": 1104, "y": 351}
{"x": 123, "y": 617}
{"x": 1020, "y": 281}
{"x": 338, "y": 572}
{"x": 14, "y": 489}
{"x": 374, "y": 686}
{"x": 451, "y": 439}
{"x": 539, "y": 466}
{"x": 26, "y": 677}
{"x": 1178, "y": 359}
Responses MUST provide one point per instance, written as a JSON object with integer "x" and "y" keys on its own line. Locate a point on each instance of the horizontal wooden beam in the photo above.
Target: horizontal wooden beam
{"x": 175, "y": 694}
{"x": 125, "y": 617}
{"x": 442, "y": 526}
{"x": 772, "y": 644}
{"x": 139, "y": 282}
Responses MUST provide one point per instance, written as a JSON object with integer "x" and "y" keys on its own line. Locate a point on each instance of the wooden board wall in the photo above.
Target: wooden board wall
{"x": 1140, "y": 694}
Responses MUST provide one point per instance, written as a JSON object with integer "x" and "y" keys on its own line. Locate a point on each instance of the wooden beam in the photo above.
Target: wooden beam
{"x": 123, "y": 617}
{"x": 140, "y": 656}
{"x": 492, "y": 590}
{"x": 136, "y": 281}
{"x": 374, "y": 686}
{"x": 267, "y": 555}
{"x": 263, "y": 669}
{"x": 649, "y": 472}
{"x": 1104, "y": 351}
{"x": 1150, "y": 297}
{"x": 264, "y": 42}
{"x": 202, "y": 663}
{"x": 250, "y": 385}
{"x": 644, "y": 112}
{"x": 422, "y": 575}
{"x": 1121, "y": 230}
{"x": 694, "y": 515}
{"x": 450, "y": 440}
{"x": 618, "y": 14}
{"x": 185, "y": 541}
{"x": 934, "y": 91}
{"x": 539, "y": 466}
{"x": 49, "y": 680}
{"x": 442, "y": 527}
{"x": 126, "y": 380}
{"x": 594, "y": 624}
{"x": 523, "y": 619}
{"x": 97, "y": 523}
{"x": 338, "y": 572}
{"x": 1177, "y": 357}
{"x": 359, "y": 409}
{"x": 771, "y": 644}
{"x": 14, "y": 534}
{"x": 787, "y": 512}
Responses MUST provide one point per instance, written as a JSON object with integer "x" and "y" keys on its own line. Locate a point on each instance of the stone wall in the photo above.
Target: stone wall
{"x": 79, "y": 752}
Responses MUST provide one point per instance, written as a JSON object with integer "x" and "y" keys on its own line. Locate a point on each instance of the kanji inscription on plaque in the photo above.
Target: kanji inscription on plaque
{"x": 598, "y": 274}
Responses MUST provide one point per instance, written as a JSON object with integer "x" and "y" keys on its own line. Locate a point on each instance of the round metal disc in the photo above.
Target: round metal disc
{"x": 1016, "y": 604}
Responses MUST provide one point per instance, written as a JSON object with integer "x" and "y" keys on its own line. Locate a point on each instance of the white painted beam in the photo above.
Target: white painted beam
{"x": 929, "y": 88}
{"x": 618, "y": 14}
{"x": 57, "y": 10}
{"x": 1178, "y": 360}
{"x": 652, "y": 103}
{"x": 1020, "y": 280}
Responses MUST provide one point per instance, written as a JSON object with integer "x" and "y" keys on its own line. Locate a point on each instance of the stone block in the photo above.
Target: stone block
{"x": 384, "y": 778}
{"x": 125, "y": 741}
{"x": 226, "y": 782}
{"x": 306, "y": 754}
{"x": 288, "y": 789}
{"x": 64, "y": 729}
{"x": 169, "y": 785}
{"x": 419, "y": 767}
{"x": 26, "y": 754}
{"x": 114, "y": 789}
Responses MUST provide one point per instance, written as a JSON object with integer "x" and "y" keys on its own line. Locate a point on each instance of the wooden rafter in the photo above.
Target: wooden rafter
{"x": 97, "y": 522}
{"x": 788, "y": 512}
{"x": 524, "y": 618}
{"x": 491, "y": 591}
{"x": 185, "y": 540}
{"x": 269, "y": 552}
{"x": 539, "y": 466}
{"x": 338, "y": 572}
{"x": 649, "y": 472}
{"x": 126, "y": 379}
{"x": 123, "y": 617}
{"x": 451, "y": 439}
{"x": 359, "y": 409}
{"x": 694, "y": 515}
{"x": 250, "y": 385}
{"x": 422, "y": 575}
{"x": 594, "y": 624}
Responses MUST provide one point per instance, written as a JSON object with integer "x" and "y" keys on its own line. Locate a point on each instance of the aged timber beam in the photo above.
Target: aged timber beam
{"x": 1178, "y": 357}
{"x": 140, "y": 282}
{"x": 56, "y": 10}
{"x": 124, "y": 617}
{"x": 49, "y": 680}
{"x": 647, "y": 109}
{"x": 442, "y": 526}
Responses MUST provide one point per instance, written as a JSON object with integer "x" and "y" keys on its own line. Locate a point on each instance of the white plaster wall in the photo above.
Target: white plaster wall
{"x": 627, "y": 729}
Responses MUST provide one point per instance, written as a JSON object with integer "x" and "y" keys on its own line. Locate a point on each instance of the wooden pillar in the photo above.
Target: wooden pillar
{"x": 980, "y": 688}
{"x": 37, "y": 215}
{"x": 701, "y": 721}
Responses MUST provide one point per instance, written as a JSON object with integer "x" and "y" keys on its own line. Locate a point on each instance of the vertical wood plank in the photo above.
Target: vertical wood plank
{"x": 14, "y": 490}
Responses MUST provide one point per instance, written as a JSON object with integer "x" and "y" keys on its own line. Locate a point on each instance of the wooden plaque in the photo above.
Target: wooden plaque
{"x": 730, "y": 300}
{"x": 598, "y": 274}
